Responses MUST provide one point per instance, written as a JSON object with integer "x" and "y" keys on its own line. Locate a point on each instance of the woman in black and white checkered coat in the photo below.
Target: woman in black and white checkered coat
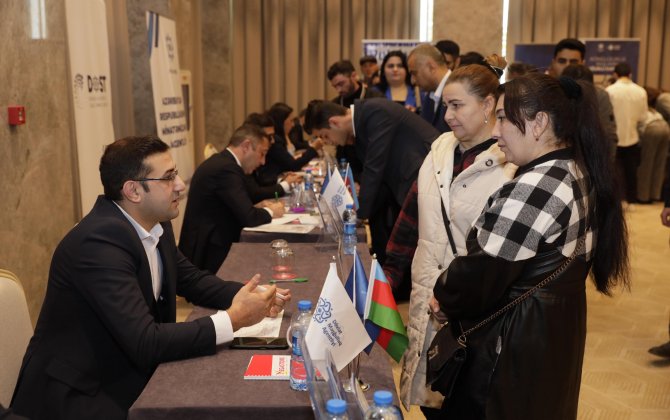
{"x": 526, "y": 364}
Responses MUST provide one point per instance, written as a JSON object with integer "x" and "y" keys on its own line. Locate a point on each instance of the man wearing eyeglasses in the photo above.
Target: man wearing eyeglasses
{"x": 108, "y": 317}
{"x": 567, "y": 51}
{"x": 219, "y": 204}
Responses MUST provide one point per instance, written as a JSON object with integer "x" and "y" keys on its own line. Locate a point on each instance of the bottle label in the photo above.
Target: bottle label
{"x": 349, "y": 228}
{"x": 295, "y": 346}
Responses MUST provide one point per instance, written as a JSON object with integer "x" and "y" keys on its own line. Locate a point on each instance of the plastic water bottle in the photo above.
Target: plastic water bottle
{"x": 310, "y": 197}
{"x": 383, "y": 408}
{"x": 343, "y": 168}
{"x": 336, "y": 410}
{"x": 299, "y": 324}
{"x": 349, "y": 238}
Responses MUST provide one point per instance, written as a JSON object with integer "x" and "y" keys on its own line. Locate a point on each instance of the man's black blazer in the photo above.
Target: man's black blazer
{"x": 433, "y": 116}
{"x": 101, "y": 333}
{"x": 218, "y": 207}
{"x": 392, "y": 143}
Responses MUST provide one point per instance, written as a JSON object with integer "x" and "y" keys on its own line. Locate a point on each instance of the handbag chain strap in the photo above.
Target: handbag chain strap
{"x": 525, "y": 295}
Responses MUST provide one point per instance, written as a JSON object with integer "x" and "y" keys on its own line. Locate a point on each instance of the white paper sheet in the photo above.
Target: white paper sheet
{"x": 268, "y": 327}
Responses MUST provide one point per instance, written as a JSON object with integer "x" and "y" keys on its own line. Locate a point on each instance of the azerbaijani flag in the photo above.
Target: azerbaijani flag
{"x": 381, "y": 309}
{"x": 349, "y": 182}
{"x": 357, "y": 289}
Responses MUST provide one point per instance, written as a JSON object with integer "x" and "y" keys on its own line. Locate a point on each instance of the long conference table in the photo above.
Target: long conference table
{"x": 212, "y": 387}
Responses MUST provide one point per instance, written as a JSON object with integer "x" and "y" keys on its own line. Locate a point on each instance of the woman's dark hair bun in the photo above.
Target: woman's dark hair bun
{"x": 570, "y": 86}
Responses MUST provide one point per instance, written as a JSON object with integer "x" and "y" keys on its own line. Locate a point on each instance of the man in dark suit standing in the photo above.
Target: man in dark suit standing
{"x": 108, "y": 317}
{"x": 219, "y": 204}
{"x": 392, "y": 143}
{"x": 430, "y": 72}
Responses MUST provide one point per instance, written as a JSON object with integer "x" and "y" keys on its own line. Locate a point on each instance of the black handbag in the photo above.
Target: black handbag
{"x": 446, "y": 357}
{"x": 447, "y": 354}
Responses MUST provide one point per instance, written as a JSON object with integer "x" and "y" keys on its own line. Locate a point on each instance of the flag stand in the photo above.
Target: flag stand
{"x": 353, "y": 369}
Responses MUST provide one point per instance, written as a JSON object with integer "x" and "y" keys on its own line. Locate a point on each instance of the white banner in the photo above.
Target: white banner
{"x": 169, "y": 105}
{"x": 89, "y": 72}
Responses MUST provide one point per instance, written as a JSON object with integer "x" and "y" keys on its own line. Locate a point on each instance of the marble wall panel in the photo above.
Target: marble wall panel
{"x": 36, "y": 183}
{"x": 476, "y": 25}
{"x": 217, "y": 72}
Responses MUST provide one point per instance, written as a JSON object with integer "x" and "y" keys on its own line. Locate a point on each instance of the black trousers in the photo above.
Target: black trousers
{"x": 627, "y": 161}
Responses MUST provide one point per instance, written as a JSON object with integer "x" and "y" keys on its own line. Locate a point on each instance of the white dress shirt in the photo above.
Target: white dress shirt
{"x": 629, "y": 103}
{"x": 222, "y": 325}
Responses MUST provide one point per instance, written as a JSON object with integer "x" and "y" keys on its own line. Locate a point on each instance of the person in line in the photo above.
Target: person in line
{"x": 451, "y": 53}
{"x": 108, "y": 317}
{"x": 259, "y": 192}
{"x": 517, "y": 69}
{"x": 629, "y": 102}
{"x": 344, "y": 79}
{"x": 219, "y": 204}
{"x": 370, "y": 69}
{"x": 654, "y": 144}
{"x": 605, "y": 110}
{"x": 391, "y": 141}
{"x": 469, "y": 166}
{"x": 429, "y": 71}
{"x": 395, "y": 81}
{"x": 561, "y": 208}
{"x": 282, "y": 156}
{"x": 567, "y": 51}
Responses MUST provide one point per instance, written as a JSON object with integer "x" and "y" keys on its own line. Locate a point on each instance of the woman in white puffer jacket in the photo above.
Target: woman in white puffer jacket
{"x": 465, "y": 166}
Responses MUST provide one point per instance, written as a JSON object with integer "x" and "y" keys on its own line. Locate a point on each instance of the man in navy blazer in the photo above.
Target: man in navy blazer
{"x": 108, "y": 317}
{"x": 392, "y": 143}
{"x": 219, "y": 202}
{"x": 430, "y": 72}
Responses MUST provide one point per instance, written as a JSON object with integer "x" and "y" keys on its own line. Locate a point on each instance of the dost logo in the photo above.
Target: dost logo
{"x": 324, "y": 310}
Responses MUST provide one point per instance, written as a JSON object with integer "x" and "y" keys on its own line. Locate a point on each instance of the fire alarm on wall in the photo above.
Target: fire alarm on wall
{"x": 17, "y": 114}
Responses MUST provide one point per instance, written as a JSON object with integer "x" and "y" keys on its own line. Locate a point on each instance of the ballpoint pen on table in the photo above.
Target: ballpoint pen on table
{"x": 295, "y": 280}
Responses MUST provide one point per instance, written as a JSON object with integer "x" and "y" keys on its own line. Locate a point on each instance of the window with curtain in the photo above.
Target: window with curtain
{"x": 281, "y": 49}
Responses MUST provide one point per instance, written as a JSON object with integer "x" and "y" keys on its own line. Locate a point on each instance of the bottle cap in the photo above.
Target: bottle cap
{"x": 308, "y": 171}
{"x": 336, "y": 406}
{"x": 350, "y": 206}
{"x": 383, "y": 398}
{"x": 304, "y": 305}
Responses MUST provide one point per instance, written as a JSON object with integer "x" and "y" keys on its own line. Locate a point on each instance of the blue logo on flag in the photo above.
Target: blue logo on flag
{"x": 337, "y": 200}
{"x": 324, "y": 310}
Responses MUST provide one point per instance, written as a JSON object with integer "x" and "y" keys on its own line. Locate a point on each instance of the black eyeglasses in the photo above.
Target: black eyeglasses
{"x": 169, "y": 177}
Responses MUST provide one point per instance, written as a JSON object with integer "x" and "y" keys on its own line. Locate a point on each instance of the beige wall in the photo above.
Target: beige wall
{"x": 475, "y": 25}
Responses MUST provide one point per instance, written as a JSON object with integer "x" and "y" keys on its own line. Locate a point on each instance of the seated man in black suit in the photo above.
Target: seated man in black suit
{"x": 392, "y": 143}
{"x": 108, "y": 317}
{"x": 259, "y": 192}
{"x": 219, "y": 204}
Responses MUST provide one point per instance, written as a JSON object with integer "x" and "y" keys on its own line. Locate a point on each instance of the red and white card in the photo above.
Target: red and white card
{"x": 268, "y": 366}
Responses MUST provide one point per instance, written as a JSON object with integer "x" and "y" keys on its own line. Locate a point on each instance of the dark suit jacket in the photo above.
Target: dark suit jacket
{"x": 392, "y": 143}
{"x": 101, "y": 333}
{"x": 218, "y": 207}
{"x": 259, "y": 192}
{"x": 279, "y": 160}
{"x": 363, "y": 92}
{"x": 433, "y": 116}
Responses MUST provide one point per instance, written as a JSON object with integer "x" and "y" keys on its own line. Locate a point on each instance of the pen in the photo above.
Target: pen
{"x": 276, "y": 196}
{"x": 295, "y": 280}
